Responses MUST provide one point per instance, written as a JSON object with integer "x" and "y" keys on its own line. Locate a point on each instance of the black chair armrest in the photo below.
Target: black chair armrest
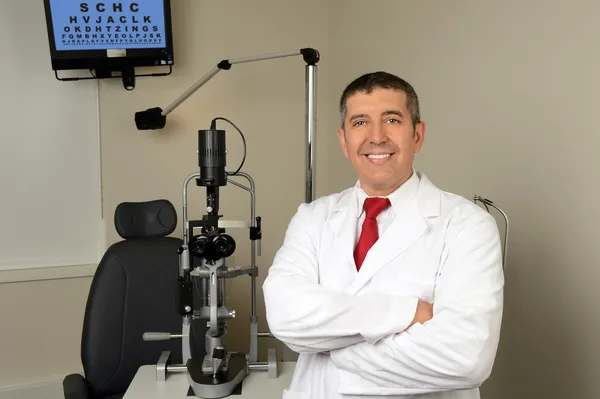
{"x": 76, "y": 387}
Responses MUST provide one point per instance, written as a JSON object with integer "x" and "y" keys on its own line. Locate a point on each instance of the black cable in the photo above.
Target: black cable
{"x": 213, "y": 126}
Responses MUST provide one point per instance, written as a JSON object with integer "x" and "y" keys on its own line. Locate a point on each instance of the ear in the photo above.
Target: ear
{"x": 342, "y": 137}
{"x": 419, "y": 135}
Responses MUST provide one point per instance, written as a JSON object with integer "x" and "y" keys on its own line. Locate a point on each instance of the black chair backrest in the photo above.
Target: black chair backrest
{"x": 132, "y": 292}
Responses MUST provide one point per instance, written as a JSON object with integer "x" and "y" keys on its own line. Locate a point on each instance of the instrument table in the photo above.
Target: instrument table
{"x": 256, "y": 385}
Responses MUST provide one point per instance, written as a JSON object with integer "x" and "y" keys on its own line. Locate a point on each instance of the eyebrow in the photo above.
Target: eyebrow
{"x": 393, "y": 112}
{"x": 357, "y": 116}
{"x": 387, "y": 112}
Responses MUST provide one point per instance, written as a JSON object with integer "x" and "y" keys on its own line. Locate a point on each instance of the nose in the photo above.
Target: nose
{"x": 377, "y": 133}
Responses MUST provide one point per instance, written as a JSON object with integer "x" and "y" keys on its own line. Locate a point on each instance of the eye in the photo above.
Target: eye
{"x": 358, "y": 123}
{"x": 393, "y": 120}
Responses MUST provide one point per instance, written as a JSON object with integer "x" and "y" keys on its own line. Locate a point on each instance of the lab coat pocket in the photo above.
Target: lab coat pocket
{"x": 287, "y": 394}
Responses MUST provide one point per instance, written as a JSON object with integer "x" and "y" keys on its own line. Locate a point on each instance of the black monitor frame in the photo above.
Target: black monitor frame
{"x": 101, "y": 64}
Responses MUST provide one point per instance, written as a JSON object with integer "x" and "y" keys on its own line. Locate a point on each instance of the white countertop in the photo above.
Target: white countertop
{"x": 256, "y": 385}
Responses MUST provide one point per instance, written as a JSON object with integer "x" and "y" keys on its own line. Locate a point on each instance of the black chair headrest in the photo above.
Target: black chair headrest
{"x": 156, "y": 218}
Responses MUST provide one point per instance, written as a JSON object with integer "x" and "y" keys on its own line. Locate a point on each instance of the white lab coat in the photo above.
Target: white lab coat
{"x": 349, "y": 327}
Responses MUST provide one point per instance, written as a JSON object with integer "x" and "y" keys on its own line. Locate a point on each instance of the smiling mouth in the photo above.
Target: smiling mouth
{"x": 379, "y": 156}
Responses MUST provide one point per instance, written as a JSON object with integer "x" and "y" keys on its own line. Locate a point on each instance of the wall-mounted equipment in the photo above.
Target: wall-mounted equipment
{"x": 107, "y": 37}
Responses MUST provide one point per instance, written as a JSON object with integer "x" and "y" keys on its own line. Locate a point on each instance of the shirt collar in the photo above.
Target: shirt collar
{"x": 398, "y": 198}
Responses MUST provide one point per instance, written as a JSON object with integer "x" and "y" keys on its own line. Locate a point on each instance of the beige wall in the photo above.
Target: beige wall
{"x": 508, "y": 90}
{"x": 40, "y": 329}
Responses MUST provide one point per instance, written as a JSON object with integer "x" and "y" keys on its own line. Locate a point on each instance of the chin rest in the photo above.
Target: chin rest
{"x": 133, "y": 291}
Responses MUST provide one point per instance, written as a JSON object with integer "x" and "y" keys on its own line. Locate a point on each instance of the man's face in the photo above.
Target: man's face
{"x": 379, "y": 139}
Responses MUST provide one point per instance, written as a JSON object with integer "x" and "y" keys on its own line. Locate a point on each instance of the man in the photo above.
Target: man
{"x": 392, "y": 287}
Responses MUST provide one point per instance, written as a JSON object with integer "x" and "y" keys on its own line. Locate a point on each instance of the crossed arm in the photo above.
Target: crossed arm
{"x": 386, "y": 341}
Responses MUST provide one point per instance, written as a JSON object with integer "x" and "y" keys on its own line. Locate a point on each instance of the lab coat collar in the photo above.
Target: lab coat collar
{"x": 399, "y": 198}
{"x": 409, "y": 225}
{"x": 428, "y": 197}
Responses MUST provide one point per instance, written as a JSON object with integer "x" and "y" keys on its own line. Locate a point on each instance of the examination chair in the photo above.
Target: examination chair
{"x": 133, "y": 291}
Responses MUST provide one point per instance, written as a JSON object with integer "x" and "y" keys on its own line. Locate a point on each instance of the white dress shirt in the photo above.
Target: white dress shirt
{"x": 401, "y": 196}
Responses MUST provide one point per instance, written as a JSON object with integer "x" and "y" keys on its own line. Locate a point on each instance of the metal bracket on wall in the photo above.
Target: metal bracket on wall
{"x": 487, "y": 203}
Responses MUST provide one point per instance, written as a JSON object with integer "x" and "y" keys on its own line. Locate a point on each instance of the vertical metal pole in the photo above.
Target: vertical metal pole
{"x": 311, "y": 130}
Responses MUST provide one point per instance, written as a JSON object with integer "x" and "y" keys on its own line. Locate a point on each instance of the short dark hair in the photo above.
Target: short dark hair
{"x": 381, "y": 80}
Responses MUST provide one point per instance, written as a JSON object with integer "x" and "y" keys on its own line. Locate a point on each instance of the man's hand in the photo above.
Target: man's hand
{"x": 424, "y": 313}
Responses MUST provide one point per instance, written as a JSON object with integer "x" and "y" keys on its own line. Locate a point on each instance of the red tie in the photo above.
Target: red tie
{"x": 369, "y": 234}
